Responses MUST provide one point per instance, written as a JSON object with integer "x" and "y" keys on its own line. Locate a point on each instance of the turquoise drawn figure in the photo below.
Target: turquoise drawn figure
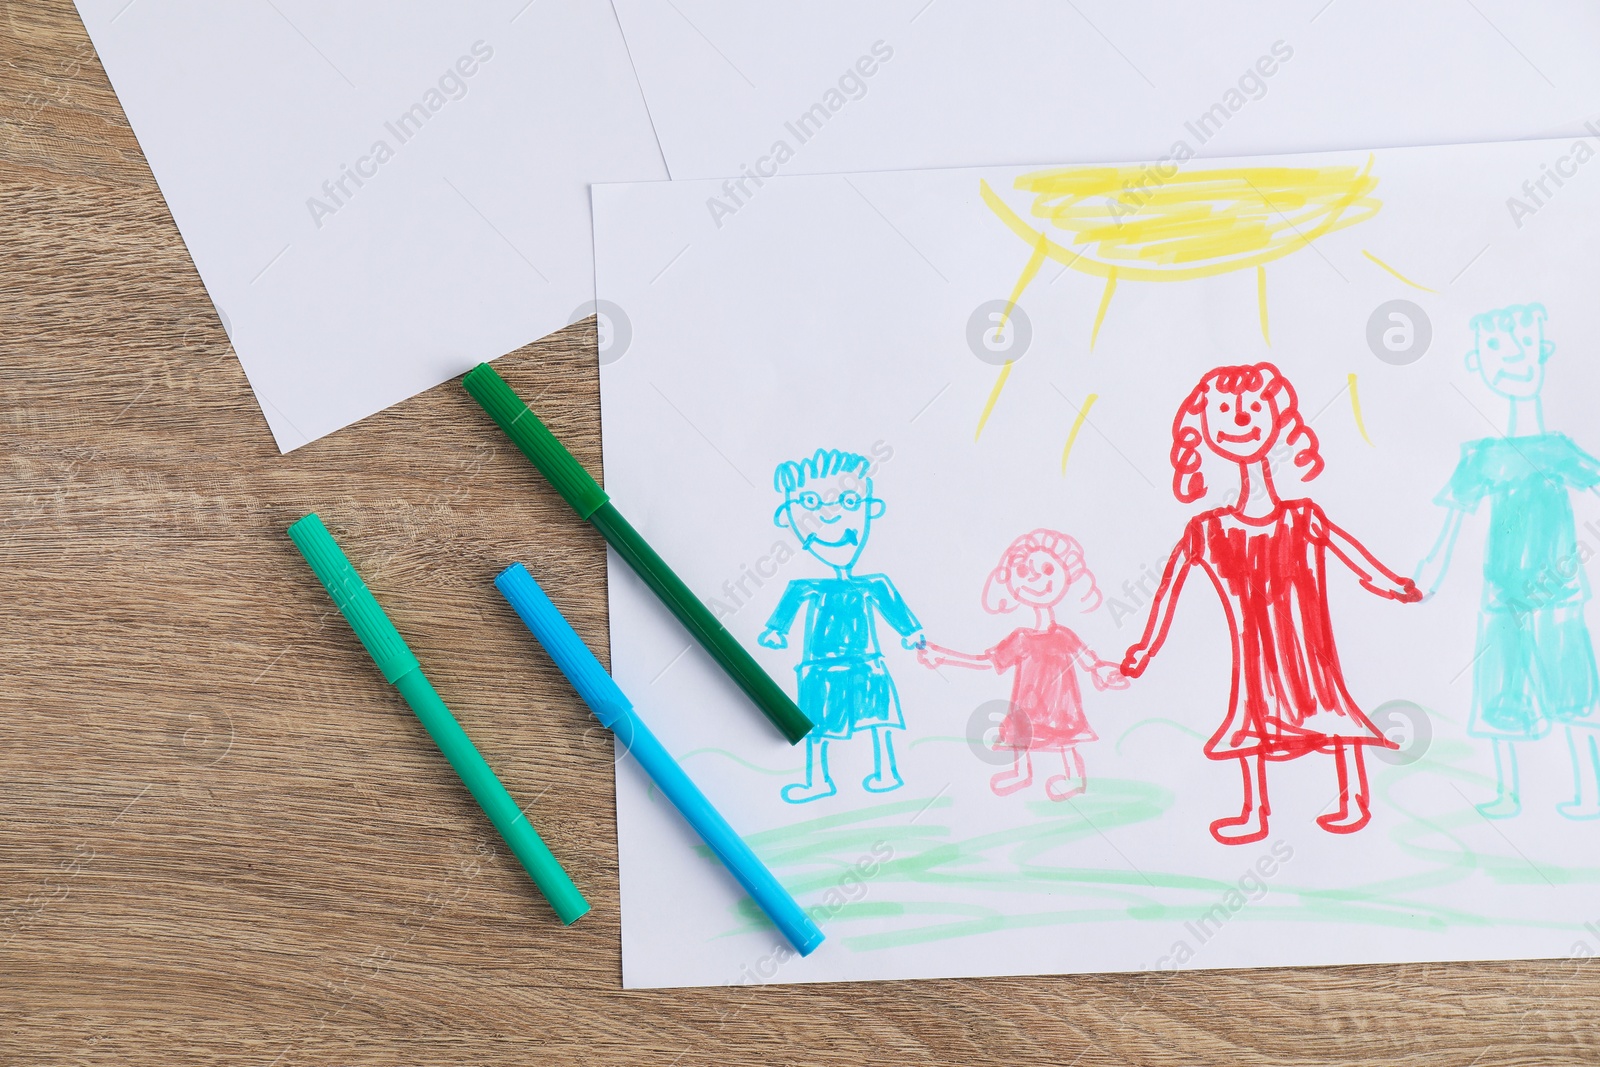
{"x": 1534, "y": 664}
{"x": 844, "y": 684}
{"x": 1037, "y": 571}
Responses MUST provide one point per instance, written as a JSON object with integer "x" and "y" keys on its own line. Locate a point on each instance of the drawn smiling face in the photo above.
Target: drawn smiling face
{"x": 1240, "y": 426}
{"x": 1036, "y": 579}
{"x": 831, "y": 517}
{"x": 1510, "y": 357}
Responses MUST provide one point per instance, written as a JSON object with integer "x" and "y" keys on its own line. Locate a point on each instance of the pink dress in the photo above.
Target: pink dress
{"x": 1046, "y": 704}
{"x": 1288, "y": 695}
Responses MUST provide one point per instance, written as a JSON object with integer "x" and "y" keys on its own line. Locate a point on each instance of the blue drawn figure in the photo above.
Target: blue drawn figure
{"x": 1534, "y": 662}
{"x": 844, "y": 684}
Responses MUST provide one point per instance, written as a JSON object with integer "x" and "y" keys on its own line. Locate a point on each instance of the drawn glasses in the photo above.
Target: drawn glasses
{"x": 850, "y": 500}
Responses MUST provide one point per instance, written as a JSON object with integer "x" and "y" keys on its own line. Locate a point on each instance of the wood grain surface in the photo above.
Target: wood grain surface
{"x": 223, "y": 840}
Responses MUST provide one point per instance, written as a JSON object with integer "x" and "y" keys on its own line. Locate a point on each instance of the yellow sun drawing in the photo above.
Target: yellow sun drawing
{"x": 1136, "y": 224}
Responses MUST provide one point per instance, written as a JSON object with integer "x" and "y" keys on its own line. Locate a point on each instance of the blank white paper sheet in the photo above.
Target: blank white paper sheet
{"x": 378, "y": 196}
{"x": 842, "y": 85}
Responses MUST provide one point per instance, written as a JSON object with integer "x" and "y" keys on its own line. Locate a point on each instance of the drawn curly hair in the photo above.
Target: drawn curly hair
{"x": 1063, "y": 548}
{"x": 1290, "y": 429}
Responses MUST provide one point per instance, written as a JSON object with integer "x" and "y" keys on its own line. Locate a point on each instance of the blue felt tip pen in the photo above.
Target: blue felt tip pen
{"x": 616, "y": 713}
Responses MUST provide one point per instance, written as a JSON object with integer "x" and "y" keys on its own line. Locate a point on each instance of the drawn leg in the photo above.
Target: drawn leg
{"x": 1584, "y": 744}
{"x": 885, "y": 775}
{"x": 1508, "y": 794}
{"x": 1355, "y": 804}
{"x": 1074, "y": 782}
{"x": 1020, "y": 776}
{"x": 818, "y": 783}
{"x": 1251, "y": 822}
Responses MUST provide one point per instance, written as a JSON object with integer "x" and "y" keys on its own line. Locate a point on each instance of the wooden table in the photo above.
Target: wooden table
{"x": 224, "y": 841}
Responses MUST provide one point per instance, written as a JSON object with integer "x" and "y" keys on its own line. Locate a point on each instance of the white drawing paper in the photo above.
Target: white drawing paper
{"x": 378, "y": 196}
{"x": 740, "y": 89}
{"x": 1009, "y": 373}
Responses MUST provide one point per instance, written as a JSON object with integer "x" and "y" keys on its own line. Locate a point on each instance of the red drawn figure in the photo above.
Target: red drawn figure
{"x": 1266, "y": 558}
{"x": 1038, "y": 570}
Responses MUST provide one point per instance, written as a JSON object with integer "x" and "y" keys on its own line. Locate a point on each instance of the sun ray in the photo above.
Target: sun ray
{"x": 1105, "y": 302}
{"x": 1396, "y": 273}
{"x": 1077, "y": 424}
{"x": 1029, "y": 272}
{"x": 1355, "y": 406}
{"x": 994, "y": 396}
{"x": 1261, "y": 298}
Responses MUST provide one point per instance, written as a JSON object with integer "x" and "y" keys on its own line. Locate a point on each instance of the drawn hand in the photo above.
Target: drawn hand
{"x": 1107, "y": 676}
{"x": 929, "y": 658}
{"x": 773, "y": 639}
{"x": 1405, "y": 591}
{"x": 917, "y": 640}
{"x": 1135, "y": 661}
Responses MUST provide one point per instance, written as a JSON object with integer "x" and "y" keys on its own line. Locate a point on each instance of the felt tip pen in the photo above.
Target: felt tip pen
{"x": 401, "y": 670}
{"x": 616, "y": 713}
{"x": 586, "y": 497}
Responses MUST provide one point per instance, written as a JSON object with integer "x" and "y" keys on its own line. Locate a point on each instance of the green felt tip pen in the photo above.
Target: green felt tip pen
{"x": 586, "y": 497}
{"x": 401, "y": 670}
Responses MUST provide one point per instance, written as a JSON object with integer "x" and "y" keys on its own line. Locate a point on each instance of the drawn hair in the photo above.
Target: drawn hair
{"x": 1188, "y": 481}
{"x": 1063, "y": 548}
{"x": 825, "y": 463}
{"x": 1508, "y": 318}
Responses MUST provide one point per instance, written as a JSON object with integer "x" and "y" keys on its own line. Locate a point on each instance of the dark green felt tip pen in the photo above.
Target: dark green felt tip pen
{"x": 586, "y": 497}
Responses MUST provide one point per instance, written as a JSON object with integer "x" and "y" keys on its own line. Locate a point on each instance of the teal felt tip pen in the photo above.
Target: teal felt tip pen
{"x": 616, "y": 713}
{"x": 401, "y": 670}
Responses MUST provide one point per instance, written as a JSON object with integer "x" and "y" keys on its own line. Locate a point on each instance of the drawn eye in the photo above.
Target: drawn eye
{"x": 1494, "y": 342}
{"x": 1049, "y": 568}
{"x": 810, "y": 501}
{"x": 1256, "y": 406}
{"x": 849, "y": 500}
{"x": 1223, "y": 408}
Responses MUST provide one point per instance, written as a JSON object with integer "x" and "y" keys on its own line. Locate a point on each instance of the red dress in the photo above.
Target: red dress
{"x": 1046, "y": 704}
{"x": 1288, "y": 694}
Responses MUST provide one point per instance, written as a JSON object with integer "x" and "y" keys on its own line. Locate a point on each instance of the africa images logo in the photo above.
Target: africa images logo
{"x": 451, "y": 85}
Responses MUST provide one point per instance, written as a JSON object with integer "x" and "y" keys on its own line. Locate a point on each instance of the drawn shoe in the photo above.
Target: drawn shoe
{"x": 1578, "y": 809}
{"x": 878, "y": 783}
{"x": 1503, "y": 806}
{"x": 1240, "y": 829}
{"x": 1060, "y": 787}
{"x": 801, "y": 792}
{"x": 1007, "y": 782}
{"x": 1348, "y": 819}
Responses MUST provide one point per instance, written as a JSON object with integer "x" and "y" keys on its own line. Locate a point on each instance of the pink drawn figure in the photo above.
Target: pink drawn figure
{"x": 1038, "y": 570}
{"x": 1266, "y": 558}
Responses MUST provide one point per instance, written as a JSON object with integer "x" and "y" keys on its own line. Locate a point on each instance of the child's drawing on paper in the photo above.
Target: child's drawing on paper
{"x": 844, "y": 684}
{"x": 1266, "y": 557}
{"x": 1534, "y": 664}
{"x": 1037, "y": 571}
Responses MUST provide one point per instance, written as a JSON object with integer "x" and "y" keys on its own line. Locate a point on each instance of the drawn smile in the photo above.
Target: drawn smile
{"x": 847, "y": 538}
{"x": 1508, "y": 376}
{"x": 1240, "y": 438}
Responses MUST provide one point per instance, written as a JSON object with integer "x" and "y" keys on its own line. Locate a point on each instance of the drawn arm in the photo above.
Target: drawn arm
{"x": 1431, "y": 571}
{"x": 1374, "y": 576}
{"x": 935, "y": 656}
{"x": 894, "y": 611}
{"x": 1161, "y": 608}
{"x": 776, "y": 634}
{"x": 1103, "y": 673}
